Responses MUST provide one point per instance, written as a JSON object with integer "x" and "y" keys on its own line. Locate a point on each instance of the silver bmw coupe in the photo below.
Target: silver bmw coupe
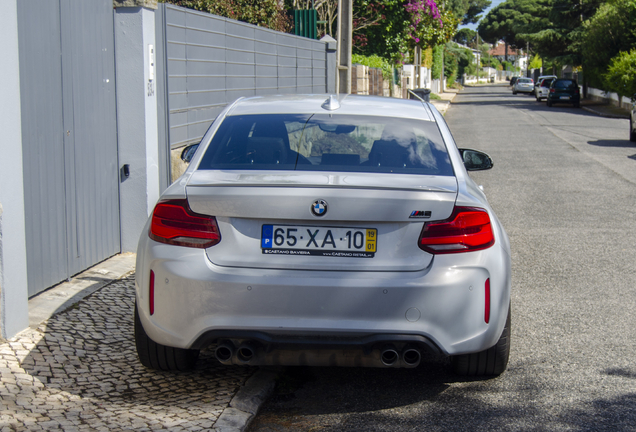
{"x": 325, "y": 230}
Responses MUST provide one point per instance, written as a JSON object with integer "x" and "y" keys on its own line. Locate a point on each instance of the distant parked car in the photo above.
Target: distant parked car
{"x": 513, "y": 80}
{"x": 523, "y": 85}
{"x": 542, "y": 87}
{"x": 632, "y": 120}
{"x": 564, "y": 90}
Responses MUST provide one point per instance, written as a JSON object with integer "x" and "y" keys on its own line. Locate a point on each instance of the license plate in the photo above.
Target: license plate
{"x": 319, "y": 241}
{"x": 565, "y": 97}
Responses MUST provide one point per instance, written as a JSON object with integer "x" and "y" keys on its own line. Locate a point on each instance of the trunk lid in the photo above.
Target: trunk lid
{"x": 245, "y": 202}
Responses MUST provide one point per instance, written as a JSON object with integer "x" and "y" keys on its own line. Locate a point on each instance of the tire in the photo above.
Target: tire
{"x": 577, "y": 104}
{"x": 492, "y": 361}
{"x": 161, "y": 357}
{"x": 632, "y": 132}
{"x": 514, "y": 92}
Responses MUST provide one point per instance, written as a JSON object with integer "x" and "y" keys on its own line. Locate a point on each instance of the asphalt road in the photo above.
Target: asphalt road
{"x": 564, "y": 187}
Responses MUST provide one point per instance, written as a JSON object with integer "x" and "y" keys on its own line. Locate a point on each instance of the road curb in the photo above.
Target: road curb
{"x": 599, "y": 113}
{"x": 247, "y": 401}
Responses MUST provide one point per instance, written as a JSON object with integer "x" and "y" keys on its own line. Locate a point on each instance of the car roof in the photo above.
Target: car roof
{"x": 332, "y": 104}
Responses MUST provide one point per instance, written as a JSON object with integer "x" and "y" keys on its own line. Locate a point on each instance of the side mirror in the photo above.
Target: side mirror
{"x": 188, "y": 153}
{"x": 475, "y": 160}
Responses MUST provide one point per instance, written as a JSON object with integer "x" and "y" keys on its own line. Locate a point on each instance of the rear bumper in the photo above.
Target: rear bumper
{"x": 557, "y": 99}
{"x": 197, "y": 303}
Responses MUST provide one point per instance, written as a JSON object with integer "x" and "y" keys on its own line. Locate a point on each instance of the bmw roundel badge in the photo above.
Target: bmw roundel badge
{"x": 319, "y": 207}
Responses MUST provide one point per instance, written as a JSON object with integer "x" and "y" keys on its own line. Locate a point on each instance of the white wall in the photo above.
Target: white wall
{"x": 14, "y": 307}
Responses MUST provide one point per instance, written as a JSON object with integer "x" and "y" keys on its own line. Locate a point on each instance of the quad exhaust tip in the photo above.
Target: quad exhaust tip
{"x": 389, "y": 356}
{"x": 245, "y": 353}
{"x": 411, "y": 356}
{"x": 224, "y": 352}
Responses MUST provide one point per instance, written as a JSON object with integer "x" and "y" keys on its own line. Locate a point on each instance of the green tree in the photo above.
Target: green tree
{"x": 468, "y": 11}
{"x": 559, "y": 35}
{"x": 464, "y": 58}
{"x": 404, "y": 24}
{"x": 610, "y": 31}
{"x": 466, "y": 36}
{"x": 621, "y": 76}
{"x": 513, "y": 20}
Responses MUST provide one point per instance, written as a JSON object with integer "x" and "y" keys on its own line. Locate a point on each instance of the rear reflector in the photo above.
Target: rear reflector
{"x": 174, "y": 223}
{"x": 151, "y": 293}
{"x": 468, "y": 229}
{"x": 487, "y": 307}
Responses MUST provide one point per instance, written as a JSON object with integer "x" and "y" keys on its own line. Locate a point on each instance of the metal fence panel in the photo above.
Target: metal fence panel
{"x": 211, "y": 61}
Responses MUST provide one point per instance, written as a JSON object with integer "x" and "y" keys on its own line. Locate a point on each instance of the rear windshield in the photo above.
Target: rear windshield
{"x": 324, "y": 142}
{"x": 565, "y": 84}
{"x": 525, "y": 80}
{"x": 546, "y": 82}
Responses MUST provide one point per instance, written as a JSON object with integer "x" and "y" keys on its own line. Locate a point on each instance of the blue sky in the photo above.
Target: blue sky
{"x": 474, "y": 26}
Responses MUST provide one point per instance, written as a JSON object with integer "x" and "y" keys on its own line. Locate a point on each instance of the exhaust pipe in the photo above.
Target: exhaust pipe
{"x": 411, "y": 356}
{"x": 389, "y": 356}
{"x": 224, "y": 352}
{"x": 245, "y": 353}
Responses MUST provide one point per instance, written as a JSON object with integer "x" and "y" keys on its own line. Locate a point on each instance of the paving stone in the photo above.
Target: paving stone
{"x": 79, "y": 371}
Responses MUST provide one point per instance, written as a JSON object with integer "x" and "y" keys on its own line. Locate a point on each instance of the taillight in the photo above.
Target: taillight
{"x": 552, "y": 90}
{"x": 468, "y": 229}
{"x": 174, "y": 223}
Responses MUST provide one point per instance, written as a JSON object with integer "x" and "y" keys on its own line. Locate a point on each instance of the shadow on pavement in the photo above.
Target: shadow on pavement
{"x": 613, "y": 143}
{"x": 80, "y": 369}
{"x": 423, "y": 399}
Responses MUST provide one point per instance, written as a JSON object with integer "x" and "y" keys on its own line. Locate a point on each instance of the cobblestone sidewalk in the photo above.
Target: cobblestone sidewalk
{"x": 79, "y": 371}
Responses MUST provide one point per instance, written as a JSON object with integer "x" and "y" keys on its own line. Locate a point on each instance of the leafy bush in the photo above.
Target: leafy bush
{"x": 609, "y": 32}
{"x": 374, "y": 61}
{"x": 536, "y": 62}
{"x": 621, "y": 75}
{"x": 436, "y": 70}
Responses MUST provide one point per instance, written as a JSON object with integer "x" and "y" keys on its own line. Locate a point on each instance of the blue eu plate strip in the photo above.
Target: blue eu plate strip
{"x": 267, "y": 237}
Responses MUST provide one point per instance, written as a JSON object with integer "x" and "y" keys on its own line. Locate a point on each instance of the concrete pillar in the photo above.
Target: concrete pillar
{"x": 137, "y": 134}
{"x": 14, "y": 293}
{"x": 345, "y": 42}
{"x": 330, "y": 47}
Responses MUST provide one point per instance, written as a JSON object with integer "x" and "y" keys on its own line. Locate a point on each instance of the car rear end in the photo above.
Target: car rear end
{"x": 304, "y": 234}
{"x": 543, "y": 88}
{"x": 564, "y": 90}
{"x": 524, "y": 85}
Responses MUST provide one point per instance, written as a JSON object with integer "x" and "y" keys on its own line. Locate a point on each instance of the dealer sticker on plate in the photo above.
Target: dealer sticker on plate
{"x": 320, "y": 241}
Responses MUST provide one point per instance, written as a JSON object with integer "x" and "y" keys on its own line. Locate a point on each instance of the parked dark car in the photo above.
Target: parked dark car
{"x": 632, "y": 120}
{"x": 564, "y": 90}
{"x": 513, "y": 80}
